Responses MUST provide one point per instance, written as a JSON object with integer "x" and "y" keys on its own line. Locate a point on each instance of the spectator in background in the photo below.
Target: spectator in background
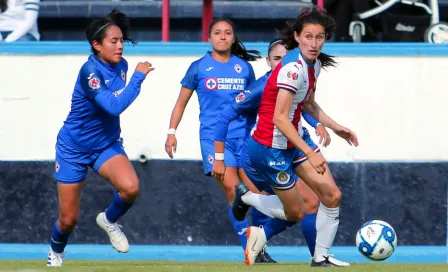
{"x": 18, "y": 20}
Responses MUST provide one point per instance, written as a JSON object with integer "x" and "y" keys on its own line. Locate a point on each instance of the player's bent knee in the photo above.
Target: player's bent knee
{"x": 130, "y": 192}
{"x": 333, "y": 199}
{"x": 67, "y": 223}
{"x": 295, "y": 214}
{"x": 312, "y": 205}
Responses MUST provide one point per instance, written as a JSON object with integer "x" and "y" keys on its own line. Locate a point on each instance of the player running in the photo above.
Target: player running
{"x": 217, "y": 78}
{"x": 90, "y": 135}
{"x": 277, "y": 150}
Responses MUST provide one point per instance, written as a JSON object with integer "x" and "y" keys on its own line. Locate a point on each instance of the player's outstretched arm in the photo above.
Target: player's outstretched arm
{"x": 114, "y": 103}
{"x": 315, "y": 111}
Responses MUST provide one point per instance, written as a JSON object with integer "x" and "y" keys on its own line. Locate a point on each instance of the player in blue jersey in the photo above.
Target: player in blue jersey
{"x": 246, "y": 103}
{"x": 217, "y": 78}
{"x": 90, "y": 136}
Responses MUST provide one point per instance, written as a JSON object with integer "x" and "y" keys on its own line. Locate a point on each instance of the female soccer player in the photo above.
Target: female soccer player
{"x": 276, "y": 148}
{"x": 90, "y": 135}
{"x": 246, "y": 103}
{"x": 217, "y": 78}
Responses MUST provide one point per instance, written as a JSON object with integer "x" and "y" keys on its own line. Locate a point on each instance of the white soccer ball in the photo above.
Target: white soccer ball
{"x": 376, "y": 240}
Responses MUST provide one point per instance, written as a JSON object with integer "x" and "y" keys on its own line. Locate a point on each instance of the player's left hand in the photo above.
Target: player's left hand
{"x": 347, "y": 134}
{"x": 324, "y": 136}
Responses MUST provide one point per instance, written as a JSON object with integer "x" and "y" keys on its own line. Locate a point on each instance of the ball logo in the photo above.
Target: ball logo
{"x": 94, "y": 83}
{"x": 123, "y": 75}
{"x": 292, "y": 75}
{"x": 240, "y": 98}
{"x": 57, "y": 166}
{"x": 283, "y": 177}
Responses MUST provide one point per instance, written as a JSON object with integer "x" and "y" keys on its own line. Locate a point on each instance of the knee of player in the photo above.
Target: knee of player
{"x": 130, "y": 192}
{"x": 312, "y": 205}
{"x": 67, "y": 222}
{"x": 333, "y": 199}
{"x": 295, "y": 214}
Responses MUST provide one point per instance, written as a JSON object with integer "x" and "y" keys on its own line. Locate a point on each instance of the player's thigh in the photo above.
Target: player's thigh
{"x": 113, "y": 164}
{"x": 323, "y": 185}
{"x": 309, "y": 197}
{"x": 69, "y": 195}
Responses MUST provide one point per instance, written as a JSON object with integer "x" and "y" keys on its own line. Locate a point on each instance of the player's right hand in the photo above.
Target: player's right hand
{"x": 171, "y": 145}
{"x": 318, "y": 162}
{"x": 324, "y": 136}
{"x": 218, "y": 170}
{"x": 144, "y": 67}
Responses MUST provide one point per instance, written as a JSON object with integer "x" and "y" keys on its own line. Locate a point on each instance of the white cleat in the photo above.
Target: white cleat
{"x": 256, "y": 241}
{"x": 55, "y": 259}
{"x": 117, "y": 237}
{"x": 337, "y": 262}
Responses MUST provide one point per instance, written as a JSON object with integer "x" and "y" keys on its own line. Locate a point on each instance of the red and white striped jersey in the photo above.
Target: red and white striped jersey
{"x": 292, "y": 74}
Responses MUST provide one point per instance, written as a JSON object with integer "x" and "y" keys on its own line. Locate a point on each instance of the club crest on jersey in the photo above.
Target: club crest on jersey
{"x": 238, "y": 68}
{"x": 211, "y": 159}
{"x": 123, "y": 75}
{"x": 240, "y": 97}
{"x": 211, "y": 84}
{"x": 292, "y": 75}
{"x": 282, "y": 177}
{"x": 94, "y": 83}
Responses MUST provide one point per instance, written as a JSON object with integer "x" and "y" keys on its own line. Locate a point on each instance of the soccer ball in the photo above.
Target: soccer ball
{"x": 376, "y": 240}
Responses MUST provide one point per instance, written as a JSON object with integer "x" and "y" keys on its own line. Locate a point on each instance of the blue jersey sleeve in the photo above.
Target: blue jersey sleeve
{"x": 114, "y": 103}
{"x": 244, "y": 102}
{"x": 310, "y": 120}
{"x": 190, "y": 79}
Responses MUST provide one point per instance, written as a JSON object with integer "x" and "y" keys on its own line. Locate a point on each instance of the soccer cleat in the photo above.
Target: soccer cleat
{"x": 239, "y": 208}
{"x": 55, "y": 259}
{"x": 117, "y": 237}
{"x": 264, "y": 257}
{"x": 256, "y": 241}
{"x": 329, "y": 262}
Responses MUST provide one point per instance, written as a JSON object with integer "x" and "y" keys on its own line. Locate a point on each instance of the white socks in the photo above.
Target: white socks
{"x": 327, "y": 222}
{"x": 269, "y": 205}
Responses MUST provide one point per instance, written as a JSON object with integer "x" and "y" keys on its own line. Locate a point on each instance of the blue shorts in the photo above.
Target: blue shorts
{"x": 232, "y": 153}
{"x": 275, "y": 167}
{"x": 71, "y": 165}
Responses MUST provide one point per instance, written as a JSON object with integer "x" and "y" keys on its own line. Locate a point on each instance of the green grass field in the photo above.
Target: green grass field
{"x": 208, "y": 266}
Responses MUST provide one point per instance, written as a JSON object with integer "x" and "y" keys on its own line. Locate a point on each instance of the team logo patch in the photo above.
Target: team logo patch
{"x": 211, "y": 84}
{"x": 238, "y": 68}
{"x": 240, "y": 97}
{"x": 57, "y": 166}
{"x": 94, "y": 83}
{"x": 292, "y": 75}
{"x": 282, "y": 177}
{"x": 123, "y": 75}
{"x": 211, "y": 159}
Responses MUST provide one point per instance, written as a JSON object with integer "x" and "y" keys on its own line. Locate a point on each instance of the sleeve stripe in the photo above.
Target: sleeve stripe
{"x": 288, "y": 89}
{"x": 35, "y": 9}
{"x": 283, "y": 85}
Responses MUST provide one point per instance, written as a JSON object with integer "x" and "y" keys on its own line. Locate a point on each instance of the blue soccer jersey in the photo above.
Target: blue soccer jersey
{"x": 99, "y": 97}
{"x": 216, "y": 85}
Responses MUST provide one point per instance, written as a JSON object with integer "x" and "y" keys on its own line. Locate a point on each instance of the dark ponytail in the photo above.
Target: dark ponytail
{"x": 96, "y": 31}
{"x": 238, "y": 49}
{"x": 3, "y": 5}
{"x": 314, "y": 15}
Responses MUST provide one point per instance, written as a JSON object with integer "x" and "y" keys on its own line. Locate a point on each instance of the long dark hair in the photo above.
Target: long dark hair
{"x": 3, "y": 5}
{"x": 96, "y": 31}
{"x": 313, "y": 15}
{"x": 238, "y": 47}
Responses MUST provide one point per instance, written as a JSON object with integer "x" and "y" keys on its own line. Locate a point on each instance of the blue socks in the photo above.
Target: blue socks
{"x": 58, "y": 239}
{"x": 308, "y": 225}
{"x": 258, "y": 218}
{"x": 117, "y": 209}
{"x": 240, "y": 228}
